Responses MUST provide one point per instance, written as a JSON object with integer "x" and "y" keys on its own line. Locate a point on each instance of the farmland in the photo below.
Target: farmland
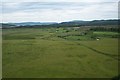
{"x": 59, "y": 53}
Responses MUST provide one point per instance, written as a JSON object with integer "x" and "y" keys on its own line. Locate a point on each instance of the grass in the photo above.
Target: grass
{"x": 106, "y": 34}
{"x": 40, "y": 53}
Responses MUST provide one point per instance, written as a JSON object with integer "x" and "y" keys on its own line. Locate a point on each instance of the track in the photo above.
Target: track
{"x": 106, "y": 54}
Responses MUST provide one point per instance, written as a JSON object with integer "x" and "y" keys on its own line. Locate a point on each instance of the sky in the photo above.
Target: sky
{"x": 57, "y": 10}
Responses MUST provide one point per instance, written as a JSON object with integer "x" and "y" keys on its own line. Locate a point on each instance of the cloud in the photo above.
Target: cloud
{"x": 27, "y": 6}
{"x": 58, "y": 11}
{"x": 60, "y": 0}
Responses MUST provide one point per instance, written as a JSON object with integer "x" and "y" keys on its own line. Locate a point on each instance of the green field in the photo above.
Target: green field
{"x": 59, "y": 53}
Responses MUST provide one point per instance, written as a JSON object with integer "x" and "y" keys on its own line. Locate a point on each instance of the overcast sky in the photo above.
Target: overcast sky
{"x": 57, "y": 10}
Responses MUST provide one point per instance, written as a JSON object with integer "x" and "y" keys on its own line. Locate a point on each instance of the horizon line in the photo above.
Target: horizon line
{"x": 58, "y": 21}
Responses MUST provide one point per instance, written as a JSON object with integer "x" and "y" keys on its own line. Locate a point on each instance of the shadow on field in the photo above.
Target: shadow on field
{"x": 116, "y": 78}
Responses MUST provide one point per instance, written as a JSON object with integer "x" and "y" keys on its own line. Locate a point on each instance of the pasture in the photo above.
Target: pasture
{"x": 59, "y": 53}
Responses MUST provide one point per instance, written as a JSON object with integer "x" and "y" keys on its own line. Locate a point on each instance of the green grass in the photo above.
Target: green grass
{"x": 105, "y": 44}
{"x": 40, "y": 53}
{"x": 81, "y": 38}
{"x": 107, "y": 34}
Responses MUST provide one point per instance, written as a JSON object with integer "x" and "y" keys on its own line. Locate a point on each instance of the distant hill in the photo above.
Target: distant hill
{"x": 74, "y": 23}
{"x": 6, "y": 25}
{"x": 91, "y": 23}
{"x": 32, "y": 23}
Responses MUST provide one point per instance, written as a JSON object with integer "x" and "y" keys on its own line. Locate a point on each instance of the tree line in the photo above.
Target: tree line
{"x": 112, "y": 29}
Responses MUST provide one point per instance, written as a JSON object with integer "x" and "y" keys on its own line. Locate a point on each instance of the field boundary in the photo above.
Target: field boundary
{"x": 106, "y": 54}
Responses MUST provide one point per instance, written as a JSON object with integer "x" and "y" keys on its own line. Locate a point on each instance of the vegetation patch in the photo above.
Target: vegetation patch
{"x": 59, "y": 53}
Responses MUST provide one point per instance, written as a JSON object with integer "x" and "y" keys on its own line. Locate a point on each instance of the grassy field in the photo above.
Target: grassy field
{"x": 58, "y": 53}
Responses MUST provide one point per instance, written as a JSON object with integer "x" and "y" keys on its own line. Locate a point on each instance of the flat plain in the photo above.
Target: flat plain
{"x": 59, "y": 53}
